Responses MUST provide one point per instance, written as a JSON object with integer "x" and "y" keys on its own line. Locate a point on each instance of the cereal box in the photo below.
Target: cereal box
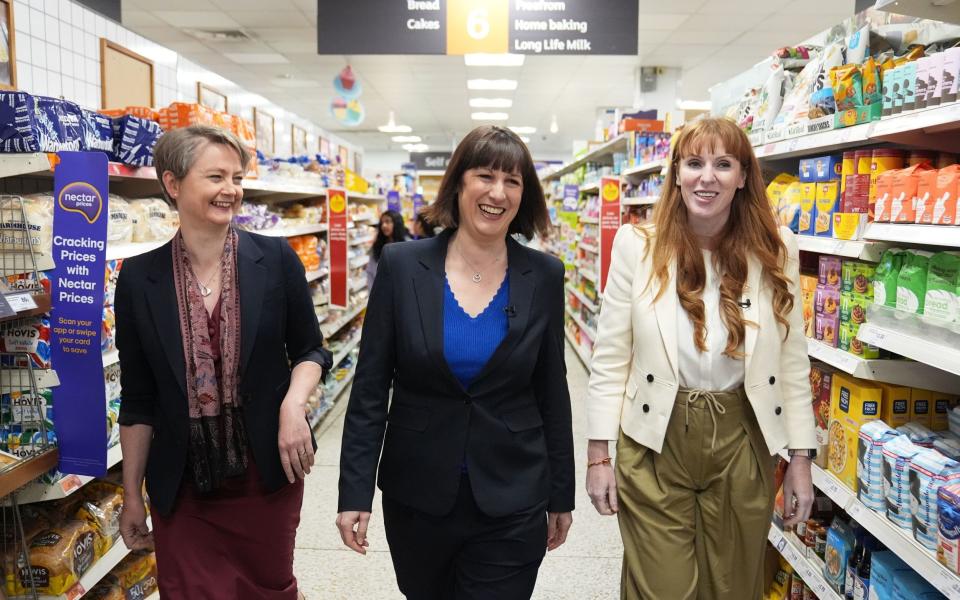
{"x": 895, "y": 409}
{"x": 827, "y": 201}
{"x": 921, "y": 410}
{"x": 940, "y": 416}
{"x": 853, "y": 308}
{"x": 826, "y": 300}
{"x": 821, "y": 376}
{"x": 808, "y": 201}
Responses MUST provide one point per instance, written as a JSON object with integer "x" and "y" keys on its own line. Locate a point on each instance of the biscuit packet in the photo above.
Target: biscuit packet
{"x": 847, "y": 86}
{"x": 872, "y": 88}
{"x": 912, "y": 281}
{"x": 942, "y": 298}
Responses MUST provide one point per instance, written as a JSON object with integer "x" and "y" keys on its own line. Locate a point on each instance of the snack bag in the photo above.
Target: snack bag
{"x": 154, "y": 220}
{"x": 777, "y": 86}
{"x": 858, "y": 45}
{"x": 942, "y": 299}
{"x": 847, "y": 86}
{"x": 827, "y": 203}
{"x": 778, "y": 187}
{"x": 796, "y": 104}
{"x": 870, "y": 75}
{"x": 929, "y": 471}
{"x": 886, "y": 275}
{"x": 789, "y": 209}
{"x": 822, "y": 100}
{"x": 912, "y": 281}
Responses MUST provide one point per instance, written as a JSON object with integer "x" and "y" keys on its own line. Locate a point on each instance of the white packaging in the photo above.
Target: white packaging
{"x": 951, "y": 75}
{"x": 897, "y": 454}
{"x": 935, "y": 79}
{"x": 920, "y": 85}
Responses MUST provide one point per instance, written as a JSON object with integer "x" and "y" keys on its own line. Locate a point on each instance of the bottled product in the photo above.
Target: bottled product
{"x": 861, "y": 586}
{"x": 854, "y": 561}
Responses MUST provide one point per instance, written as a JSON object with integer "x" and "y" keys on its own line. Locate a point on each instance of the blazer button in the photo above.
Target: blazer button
{"x": 646, "y": 408}
{"x": 467, "y": 400}
{"x": 773, "y": 380}
{"x": 650, "y": 377}
{"x": 778, "y": 410}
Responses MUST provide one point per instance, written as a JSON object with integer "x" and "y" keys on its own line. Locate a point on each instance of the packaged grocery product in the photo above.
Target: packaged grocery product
{"x": 948, "y": 445}
{"x": 856, "y": 194}
{"x": 808, "y": 289}
{"x": 886, "y": 275}
{"x": 796, "y": 104}
{"x": 137, "y": 574}
{"x": 134, "y": 139}
{"x": 946, "y": 201}
{"x": 912, "y": 281}
{"x": 857, "y": 277}
{"x": 183, "y": 114}
{"x": 951, "y": 75}
{"x": 852, "y": 405}
{"x": 821, "y": 377}
{"x": 883, "y": 205}
{"x": 808, "y": 200}
{"x": 848, "y": 167}
{"x": 107, "y": 589}
{"x": 30, "y": 339}
{"x": 111, "y": 381}
{"x": 941, "y": 303}
{"x": 60, "y": 556}
{"x": 857, "y": 346}
{"x": 97, "y": 131}
{"x": 926, "y": 197}
{"x": 920, "y": 86}
{"x": 120, "y": 225}
{"x": 890, "y": 81}
{"x": 853, "y": 308}
{"x": 102, "y": 505}
{"x": 822, "y": 101}
{"x": 920, "y": 407}
{"x": 909, "y": 83}
{"x": 929, "y": 471}
{"x": 831, "y": 271}
{"x": 777, "y": 86}
{"x": 38, "y": 210}
{"x": 18, "y": 122}
{"x": 827, "y": 329}
{"x": 59, "y": 124}
{"x": 108, "y": 330}
{"x": 948, "y": 532}
{"x": 820, "y": 169}
{"x": 935, "y": 79}
{"x": 885, "y": 568}
{"x": 872, "y": 437}
{"x": 847, "y": 86}
{"x": 111, "y": 274}
{"x": 789, "y": 207}
{"x": 827, "y": 203}
{"x": 897, "y": 454}
{"x": 896, "y": 404}
{"x": 942, "y": 403}
{"x": 826, "y": 301}
{"x": 883, "y": 160}
{"x": 912, "y": 586}
{"x": 840, "y": 543}
{"x": 155, "y": 220}
{"x": 858, "y": 45}
{"x": 872, "y": 92}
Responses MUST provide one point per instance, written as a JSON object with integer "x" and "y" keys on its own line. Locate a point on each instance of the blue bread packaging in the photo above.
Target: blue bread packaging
{"x": 885, "y": 568}
{"x": 134, "y": 139}
{"x": 97, "y": 132}
{"x": 911, "y": 586}
{"x": 18, "y": 129}
{"x": 59, "y": 124}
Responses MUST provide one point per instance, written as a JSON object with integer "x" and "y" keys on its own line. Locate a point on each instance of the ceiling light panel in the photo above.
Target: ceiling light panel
{"x": 416, "y": 139}
{"x": 523, "y": 129}
{"x": 489, "y": 116}
{"x": 491, "y": 84}
{"x": 256, "y": 58}
{"x": 491, "y": 102}
{"x": 493, "y": 60}
{"x": 416, "y": 147}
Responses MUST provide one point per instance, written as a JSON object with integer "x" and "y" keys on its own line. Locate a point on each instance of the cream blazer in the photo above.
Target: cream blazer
{"x": 634, "y": 371}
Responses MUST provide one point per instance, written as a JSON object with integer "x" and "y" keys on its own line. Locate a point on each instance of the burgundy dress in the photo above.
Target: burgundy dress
{"x": 234, "y": 543}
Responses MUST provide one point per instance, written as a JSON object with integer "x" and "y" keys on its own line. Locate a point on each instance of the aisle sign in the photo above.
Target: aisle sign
{"x": 609, "y": 223}
{"x": 571, "y": 197}
{"x": 79, "y": 251}
{"x": 457, "y": 27}
{"x": 337, "y": 248}
{"x": 393, "y": 200}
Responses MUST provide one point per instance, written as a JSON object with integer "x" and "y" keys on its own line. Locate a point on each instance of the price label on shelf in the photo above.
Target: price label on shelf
{"x": 947, "y": 582}
{"x": 792, "y": 144}
{"x": 70, "y": 484}
{"x": 856, "y": 509}
{"x": 77, "y": 591}
{"x": 832, "y": 488}
{"x": 21, "y": 302}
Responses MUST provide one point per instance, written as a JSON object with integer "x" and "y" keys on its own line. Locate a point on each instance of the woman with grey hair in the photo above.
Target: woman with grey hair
{"x": 219, "y": 351}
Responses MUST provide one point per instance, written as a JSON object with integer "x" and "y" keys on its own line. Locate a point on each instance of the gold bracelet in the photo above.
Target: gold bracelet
{"x": 602, "y": 461}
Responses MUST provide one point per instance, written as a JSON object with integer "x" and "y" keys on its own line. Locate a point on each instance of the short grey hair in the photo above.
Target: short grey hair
{"x": 176, "y": 150}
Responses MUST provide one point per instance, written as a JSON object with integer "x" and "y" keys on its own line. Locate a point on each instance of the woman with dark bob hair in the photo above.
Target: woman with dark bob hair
{"x": 390, "y": 229}
{"x": 467, "y": 328}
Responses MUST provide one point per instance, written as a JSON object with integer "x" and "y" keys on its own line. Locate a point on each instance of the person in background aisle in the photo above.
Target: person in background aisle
{"x": 212, "y": 414}
{"x": 700, "y": 372}
{"x": 422, "y": 228}
{"x": 477, "y": 466}
{"x": 391, "y": 229}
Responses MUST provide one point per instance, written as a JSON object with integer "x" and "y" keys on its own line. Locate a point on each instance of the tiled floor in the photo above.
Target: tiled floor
{"x": 587, "y": 567}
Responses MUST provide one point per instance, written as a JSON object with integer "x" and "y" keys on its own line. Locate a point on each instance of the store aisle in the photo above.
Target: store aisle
{"x": 587, "y": 567}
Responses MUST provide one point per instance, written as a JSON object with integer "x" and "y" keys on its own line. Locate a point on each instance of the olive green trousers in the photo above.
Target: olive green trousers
{"x": 695, "y": 518}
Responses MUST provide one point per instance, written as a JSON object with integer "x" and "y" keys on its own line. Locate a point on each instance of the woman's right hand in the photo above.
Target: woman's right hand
{"x": 133, "y": 524}
{"x": 356, "y": 540}
{"x": 601, "y": 479}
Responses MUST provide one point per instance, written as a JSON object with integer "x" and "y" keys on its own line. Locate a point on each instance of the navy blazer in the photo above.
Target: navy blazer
{"x": 278, "y": 330}
{"x": 512, "y": 424}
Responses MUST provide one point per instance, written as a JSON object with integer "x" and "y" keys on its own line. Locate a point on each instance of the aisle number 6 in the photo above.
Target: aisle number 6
{"x": 477, "y": 26}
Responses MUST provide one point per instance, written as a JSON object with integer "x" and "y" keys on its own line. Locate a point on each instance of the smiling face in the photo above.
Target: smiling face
{"x": 488, "y": 201}
{"x": 210, "y": 193}
{"x": 709, "y": 180}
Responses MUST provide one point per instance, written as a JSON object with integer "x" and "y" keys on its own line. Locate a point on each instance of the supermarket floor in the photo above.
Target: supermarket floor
{"x": 587, "y": 567}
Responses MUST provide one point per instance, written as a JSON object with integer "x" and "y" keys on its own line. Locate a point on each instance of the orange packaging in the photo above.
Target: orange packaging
{"x": 142, "y": 112}
{"x": 113, "y": 113}
{"x": 884, "y": 196}
{"x": 882, "y": 160}
{"x": 183, "y": 114}
{"x": 946, "y": 207}
{"x": 926, "y": 195}
{"x": 903, "y": 204}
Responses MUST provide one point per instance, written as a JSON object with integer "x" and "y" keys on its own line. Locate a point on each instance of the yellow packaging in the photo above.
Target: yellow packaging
{"x": 895, "y": 410}
{"x": 849, "y": 226}
{"x": 921, "y": 407}
{"x": 808, "y": 200}
{"x": 940, "y": 415}
{"x": 808, "y": 290}
{"x": 828, "y": 197}
{"x": 842, "y": 440}
{"x": 777, "y": 187}
{"x": 852, "y": 403}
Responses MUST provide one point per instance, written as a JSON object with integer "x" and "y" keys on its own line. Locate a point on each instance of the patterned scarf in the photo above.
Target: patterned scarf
{"x": 218, "y": 444}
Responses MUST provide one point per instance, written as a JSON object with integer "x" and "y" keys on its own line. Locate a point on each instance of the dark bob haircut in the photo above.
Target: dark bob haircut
{"x": 492, "y": 147}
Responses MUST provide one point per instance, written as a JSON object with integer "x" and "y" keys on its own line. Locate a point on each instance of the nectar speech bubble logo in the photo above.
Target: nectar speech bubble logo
{"x": 338, "y": 202}
{"x": 611, "y": 191}
{"x": 81, "y": 198}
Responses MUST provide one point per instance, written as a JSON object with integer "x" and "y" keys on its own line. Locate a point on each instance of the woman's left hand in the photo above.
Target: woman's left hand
{"x": 558, "y": 524}
{"x": 296, "y": 445}
{"x": 797, "y": 491}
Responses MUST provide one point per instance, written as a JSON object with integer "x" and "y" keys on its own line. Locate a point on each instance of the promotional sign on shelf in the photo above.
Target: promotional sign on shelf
{"x": 571, "y": 197}
{"x": 337, "y": 247}
{"x": 79, "y": 250}
{"x": 393, "y": 200}
{"x": 609, "y": 223}
{"x": 417, "y": 204}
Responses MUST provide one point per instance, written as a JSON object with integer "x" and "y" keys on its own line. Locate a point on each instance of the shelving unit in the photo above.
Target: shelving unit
{"x": 583, "y": 299}
{"x": 584, "y": 358}
{"x": 645, "y": 169}
{"x": 293, "y": 231}
{"x": 590, "y": 188}
{"x": 948, "y": 12}
{"x": 361, "y": 261}
{"x": 896, "y": 372}
{"x": 811, "y": 575}
{"x": 363, "y": 241}
{"x": 131, "y": 249}
{"x": 643, "y": 201}
{"x": 617, "y": 144}
{"x": 315, "y": 275}
{"x": 590, "y": 220}
{"x": 588, "y": 275}
{"x": 904, "y": 233}
{"x": 10, "y": 379}
{"x": 589, "y": 248}
{"x": 860, "y": 249}
{"x": 41, "y": 492}
{"x": 346, "y": 350}
{"x": 591, "y": 333}
{"x": 927, "y": 351}
{"x": 338, "y": 391}
{"x": 331, "y": 330}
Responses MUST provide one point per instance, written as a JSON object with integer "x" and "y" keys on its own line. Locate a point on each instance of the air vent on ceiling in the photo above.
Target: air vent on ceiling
{"x": 220, "y": 35}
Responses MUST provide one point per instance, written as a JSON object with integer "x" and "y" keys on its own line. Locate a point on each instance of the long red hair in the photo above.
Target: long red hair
{"x": 751, "y": 228}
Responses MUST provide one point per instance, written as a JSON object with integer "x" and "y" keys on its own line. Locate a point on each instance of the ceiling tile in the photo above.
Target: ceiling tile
{"x": 718, "y": 36}
{"x": 745, "y": 7}
{"x": 257, "y": 19}
{"x": 295, "y": 47}
{"x": 186, "y": 5}
{"x": 723, "y": 22}
{"x": 283, "y": 34}
{"x": 140, "y": 18}
{"x": 212, "y": 19}
{"x": 661, "y": 21}
{"x": 654, "y": 7}
{"x": 653, "y": 36}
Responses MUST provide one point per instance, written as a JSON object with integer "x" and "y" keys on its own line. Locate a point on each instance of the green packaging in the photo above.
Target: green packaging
{"x": 912, "y": 281}
{"x": 853, "y": 308}
{"x": 942, "y": 298}
{"x": 885, "y": 277}
{"x": 857, "y": 277}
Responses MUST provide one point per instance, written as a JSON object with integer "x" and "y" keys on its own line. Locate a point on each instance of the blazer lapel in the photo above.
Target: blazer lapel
{"x": 751, "y": 312}
{"x": 162, "y": 300}
{"x": 428, "y": 284}
{"x": 252, "y": 278}
{"x": 666, "y": 310}
{"x": 520, "y": 304}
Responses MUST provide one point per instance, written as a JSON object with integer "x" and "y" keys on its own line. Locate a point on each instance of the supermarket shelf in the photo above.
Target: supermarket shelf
{"x": 330, "y": 330}
{"x": 811, "y": 575}
{"x": 23, "y": 472}
{"x": 584, "y": 358}
{"x": 590, "y": 220}
{"x": 817, "y": 142}
{"x": 131, "y": 249}
{"x": 900, "y": 541}
{"x": 293, "y": 231}
{"x": 316, "y": 420}
{"x": 154, "y": 596}
{"x": 356, "y": 264}
{"x": 589, "y": 248}
{"x": 896, "y": 372}
{"x": 905, "y": 233}
{"x": 346, "y": 350}
{"x": 925, "y": 351}
{"x": 299, "y": 187}
{"x": 592, "y": 307}
{"x": 373, "y": 198}
{"x": 12, "y": 165}
{"x": 645, "y": 169}
{"x": 315, "y": 275}
{"x": 68, "y": 484}
{"x": 618, "y": 144}
{"x": 362, "y": 241}
{"x": 860, "y": 249}
{"x": 642, "y": 201}
{"x": 111, "y": 358}
{"x": 17, "y": 379}
{"x": 591, "y": 187}
{"x": 356, "y": 286}
{"x": 583, "y": 326}
{"x": 588, "y": 275}
{"x": 97, "y": 571}
{"x": 924, "y": 9}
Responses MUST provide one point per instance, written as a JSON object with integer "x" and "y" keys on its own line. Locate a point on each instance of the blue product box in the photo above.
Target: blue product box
{"x": 18, "y": 123}
{"x": 134, "y": 139}
{"x": 822, "y": 168}
{"x": 97, "y": 132}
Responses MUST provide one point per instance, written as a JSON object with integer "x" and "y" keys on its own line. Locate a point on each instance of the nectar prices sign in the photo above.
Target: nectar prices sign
{"x": 609, "y": 223}
{"x": 79, "y": 252}
{"x": 337, "y": 248}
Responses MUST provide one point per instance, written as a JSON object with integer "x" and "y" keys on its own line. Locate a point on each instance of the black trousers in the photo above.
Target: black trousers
{"x": 465, "y": 555}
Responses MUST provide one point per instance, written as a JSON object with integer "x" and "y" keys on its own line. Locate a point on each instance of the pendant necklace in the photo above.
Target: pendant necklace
{"x": 477, "y": 277}
{"x": 205, "y": 291}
